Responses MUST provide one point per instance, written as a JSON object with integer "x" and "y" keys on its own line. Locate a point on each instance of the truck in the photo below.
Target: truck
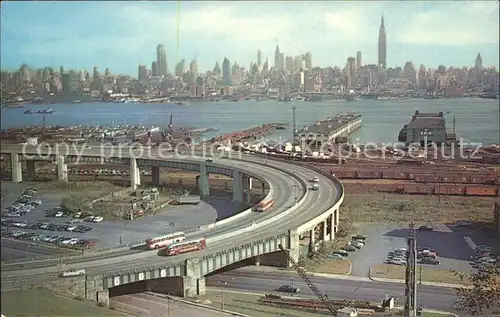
{"x": 186, "y": 200}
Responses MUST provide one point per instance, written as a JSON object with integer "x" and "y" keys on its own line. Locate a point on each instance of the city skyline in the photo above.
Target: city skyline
{"x": 330, "y": 31}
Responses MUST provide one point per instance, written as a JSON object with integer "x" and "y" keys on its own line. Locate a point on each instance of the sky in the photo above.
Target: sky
{"x": 121, "y": 35}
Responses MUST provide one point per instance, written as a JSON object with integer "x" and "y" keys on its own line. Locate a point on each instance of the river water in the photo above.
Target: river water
{"x": 477, "y": 120}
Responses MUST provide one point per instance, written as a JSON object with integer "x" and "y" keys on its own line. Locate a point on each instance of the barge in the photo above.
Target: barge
{"x": 324, "y": 132}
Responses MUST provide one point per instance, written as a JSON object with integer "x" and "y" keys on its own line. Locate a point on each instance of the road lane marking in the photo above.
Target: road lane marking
{"x": 471, "y": 243}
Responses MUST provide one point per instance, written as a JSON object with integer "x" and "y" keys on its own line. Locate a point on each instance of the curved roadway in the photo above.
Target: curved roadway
{"x": 314, "y": 204}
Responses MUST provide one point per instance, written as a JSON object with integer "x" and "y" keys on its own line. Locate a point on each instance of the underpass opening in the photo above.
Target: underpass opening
{"x": 165, "y": 285}
{"x": 273, "y": 259}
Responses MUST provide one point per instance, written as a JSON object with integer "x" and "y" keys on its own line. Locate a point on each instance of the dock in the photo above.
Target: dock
{"x": 326, "y": 131}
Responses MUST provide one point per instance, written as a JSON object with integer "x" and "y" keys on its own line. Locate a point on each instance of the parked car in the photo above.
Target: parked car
{"x": 349, "y": 248}
{"x": 358, "y": 244}
{"x": 359, "y": 237}
{"x": 336, "y": 256}
{"x": 97, "y": 219}
{"x": 429, "y": 260}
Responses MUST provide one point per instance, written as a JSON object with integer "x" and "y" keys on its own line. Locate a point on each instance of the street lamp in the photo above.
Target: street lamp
{"x": 295, "y": 196}
{"x": 291, "y": 290}
{"x": 222, "y": 283}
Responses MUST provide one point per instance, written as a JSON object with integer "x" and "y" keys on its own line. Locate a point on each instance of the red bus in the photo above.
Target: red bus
{"x": 186, "y": 246}
{"x": 165, "y": 240}
{"x": 264, "y": 205}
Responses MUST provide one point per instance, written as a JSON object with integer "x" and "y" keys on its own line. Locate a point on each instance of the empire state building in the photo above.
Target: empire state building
{"x": 382, "y": 45}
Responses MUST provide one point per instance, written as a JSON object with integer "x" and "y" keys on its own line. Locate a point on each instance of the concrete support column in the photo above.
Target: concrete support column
{"x": 237, "y": 186}
{"x": 257, "y": 260}
{"x": 135, "y": 177}
{"x": 325, "y": 227}
{"x": 247, "y": 189}
{"x": 336, "y": 216}
{"x": 250, "y": 183}
{"x": 312, "y": 239}
{"x": 155, "y": 175}
{"x": 62, "y": 168}
{"x": 103, "y": 297}
{"x": 31, "y": 170}
{"x": 332, "y": 227}
{"x": 263, "y": 188}
{"x": 16, "y": 168}
{"x": 294, "y": 250}
{"x": 203, "y": 181}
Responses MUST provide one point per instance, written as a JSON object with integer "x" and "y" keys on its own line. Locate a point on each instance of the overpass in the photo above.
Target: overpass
{"x": 253, "y": 237}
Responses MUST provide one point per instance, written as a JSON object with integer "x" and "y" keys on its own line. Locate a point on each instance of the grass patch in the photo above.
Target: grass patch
{"x": 90, "y": 190}
{"x": 425, "y": 274}
{"x": 338, "y": 267}
{"x": 40, "y": 302}
{"x": 393, "y": 208}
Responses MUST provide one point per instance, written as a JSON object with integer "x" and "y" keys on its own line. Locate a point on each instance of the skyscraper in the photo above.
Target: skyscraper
{"x": 479, "y": 62}
{"x": 142, "y": 73}
{"x": 259, "y": 58}
{"x": 358, "y": 60}
{"x": 308, "y": 61}
{"x": 226, "y": 71}
{"x": 154, "y": 69}
{"x": 382, "y": 46}
{"x": 277, "y": 57}
{"x": 161, "y": 60}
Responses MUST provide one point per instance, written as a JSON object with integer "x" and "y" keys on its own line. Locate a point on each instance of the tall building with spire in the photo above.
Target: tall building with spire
{"x": 479, "y": 62}
{"x": 277, "y": 56}
{"x": 259, "y": 58}
{"x": 382, "y": 45}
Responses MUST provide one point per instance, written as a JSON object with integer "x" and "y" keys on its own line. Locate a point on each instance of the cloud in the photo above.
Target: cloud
{"x": 469, "y": 23}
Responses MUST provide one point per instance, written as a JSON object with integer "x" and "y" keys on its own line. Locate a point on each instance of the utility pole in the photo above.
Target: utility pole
{"x": 294, "y": 134}
{"x": 222, "y": 283}
{"x": 411, "y": 269}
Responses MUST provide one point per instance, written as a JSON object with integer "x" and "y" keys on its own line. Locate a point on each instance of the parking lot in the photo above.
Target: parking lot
{"x": 454, "y": 245}
{"x": 40, "y": 225}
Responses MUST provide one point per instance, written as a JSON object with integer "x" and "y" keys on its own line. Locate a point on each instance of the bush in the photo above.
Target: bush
{"x": 76, "y": 203}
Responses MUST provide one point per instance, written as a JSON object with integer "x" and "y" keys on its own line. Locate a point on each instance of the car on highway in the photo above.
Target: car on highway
{"x": 315, "y": 180}
{"x": 209, "y": 160}
{"x": 315, "y": 186}
{"x": 288, "y": 289}
{"x": 73, "y": 272}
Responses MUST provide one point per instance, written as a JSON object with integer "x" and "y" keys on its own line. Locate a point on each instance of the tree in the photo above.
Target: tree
{"x": 482, "y": 297}
{"x": 76, "y": 203}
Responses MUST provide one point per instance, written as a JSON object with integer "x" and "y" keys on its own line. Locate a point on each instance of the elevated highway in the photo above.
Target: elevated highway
{"x": 254, "y": 237}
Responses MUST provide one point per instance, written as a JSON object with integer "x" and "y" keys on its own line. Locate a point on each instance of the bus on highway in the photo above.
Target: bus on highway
{"x": 264, "y": 205}
{"x": 186, "y": 246}
{"x": 165, "y": 240}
